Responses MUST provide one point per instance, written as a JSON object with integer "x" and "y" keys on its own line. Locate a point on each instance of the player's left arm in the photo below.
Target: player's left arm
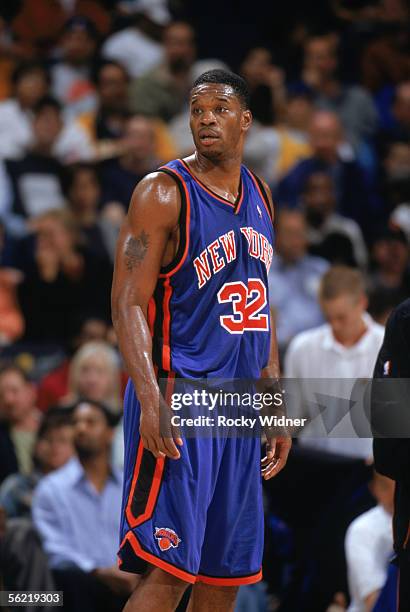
{"x": 279, "y": 442}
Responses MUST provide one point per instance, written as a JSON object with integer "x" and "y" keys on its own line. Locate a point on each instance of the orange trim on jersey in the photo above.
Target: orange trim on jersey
{"x": 237, "y": 205}
{"x": 268, "y": 210}
{"x": 187, "y": 224}
{"x": 230, "y": 581}
{"x": 150, "y": 558}
{"x": 166, "y": 351}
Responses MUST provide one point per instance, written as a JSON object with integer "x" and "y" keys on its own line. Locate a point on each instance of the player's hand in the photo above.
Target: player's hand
{"x": 157, "y": 433}
{"x": 277, "y": 451}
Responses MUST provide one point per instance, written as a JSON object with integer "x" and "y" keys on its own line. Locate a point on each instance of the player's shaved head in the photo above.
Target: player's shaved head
{"x": 224, "y": 77}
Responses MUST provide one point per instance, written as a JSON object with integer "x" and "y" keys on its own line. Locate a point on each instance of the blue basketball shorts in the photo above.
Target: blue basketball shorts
{"x": 199, "y": 517}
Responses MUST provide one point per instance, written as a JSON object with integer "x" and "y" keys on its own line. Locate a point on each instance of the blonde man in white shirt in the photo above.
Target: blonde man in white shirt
{"x": 341, "y": 351}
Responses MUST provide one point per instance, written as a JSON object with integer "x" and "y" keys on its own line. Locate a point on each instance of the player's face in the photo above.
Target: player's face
{"x": 218, "y": 121}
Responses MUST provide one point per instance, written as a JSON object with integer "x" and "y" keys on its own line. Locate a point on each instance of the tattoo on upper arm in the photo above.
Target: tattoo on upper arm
{"x": 135, "y": 250}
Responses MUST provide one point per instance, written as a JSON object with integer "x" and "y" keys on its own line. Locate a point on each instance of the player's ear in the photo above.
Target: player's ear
{"x": 246, "y": 120}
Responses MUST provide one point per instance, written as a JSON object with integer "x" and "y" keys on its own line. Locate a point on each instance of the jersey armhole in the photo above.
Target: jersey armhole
{"x": 183, "y": 222}
{"x": 263, "y": 193}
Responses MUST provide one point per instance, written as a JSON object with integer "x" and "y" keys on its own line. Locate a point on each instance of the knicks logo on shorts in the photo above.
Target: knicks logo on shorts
{"x": 166, "y": 537}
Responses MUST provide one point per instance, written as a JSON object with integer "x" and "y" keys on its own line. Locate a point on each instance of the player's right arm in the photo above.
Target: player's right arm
{"x": 145, "y": 244}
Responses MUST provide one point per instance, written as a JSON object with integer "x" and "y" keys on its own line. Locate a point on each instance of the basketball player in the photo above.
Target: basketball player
{"x": 190, "y": 300}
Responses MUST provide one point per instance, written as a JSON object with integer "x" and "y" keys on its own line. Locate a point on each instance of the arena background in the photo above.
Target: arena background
{"x": 93, "y": 95}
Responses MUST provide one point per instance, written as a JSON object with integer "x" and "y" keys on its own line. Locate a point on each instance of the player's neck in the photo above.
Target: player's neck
{"x": 225, "y": 172}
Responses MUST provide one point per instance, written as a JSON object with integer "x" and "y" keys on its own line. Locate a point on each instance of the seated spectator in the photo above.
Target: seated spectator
{"x": 294, "y": 131}
{"x": 36, "y": 178}
{"x": 11, "y": 320}
{"x": 23, "y": 564}
{"x": 267, "y": 100}
{"x": 294, "y": 278}
{"x": 63, "y": 281}
{"x": 137, "y": 47}
{"x": 76, "y": 511}
{"x": 394, "y": 174}
{"x": 369, "y": 547}
{"x": 386, "y": 61}
{"x": 382, "y": 301}
{"x": 341, "y": 351}
{"x": 163, "y": 91}
{"x": 54, "y": 386}
{"x": 353, "y": 104}
{"x": 30, "y": 83}
{"x": 71, "y": 76}
{"x": 120, "y": 176}
{"x": 19, "y": 421}
{"x": 266, "y": 84}
{"x": 83, "y": 190}
{"x": 105, "y": 126}
{"x": 397, "y": 124}
{"x": 37, "y": 26}
{"x": 52, "y": 449}
{"x": 95, "y": 373}
{"x": 325, "y": 225}
{"x": 390, "y": 262}
{"x": 326, "y": 138}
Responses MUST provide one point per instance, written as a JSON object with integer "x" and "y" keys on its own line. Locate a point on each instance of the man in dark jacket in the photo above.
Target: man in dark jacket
{"x": 391, "y": 418}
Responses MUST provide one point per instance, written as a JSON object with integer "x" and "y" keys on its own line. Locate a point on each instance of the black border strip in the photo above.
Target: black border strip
{"x": 263, "y": 192}
{"x": 182, "y": 223}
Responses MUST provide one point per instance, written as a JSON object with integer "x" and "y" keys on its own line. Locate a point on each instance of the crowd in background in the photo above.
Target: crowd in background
{"x": 93, "y": 96}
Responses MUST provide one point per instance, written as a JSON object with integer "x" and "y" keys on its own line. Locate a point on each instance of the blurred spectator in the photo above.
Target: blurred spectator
{"x": 386, "y": 60}
{"x": 137, "y": 47}
{"x": 390, "y": 262}
{"x": 76, "y": 510}
{"x": 369, "y": 547}
{"x": 397, "y": 127}
{"x": 395, "y": 174}
{"x": 120, "y": 176}
{"x": 11, "y": 320}
{"x": 294, "y": 278}
{"x": 163, "y": 91}
{"x": 326, "y": 138}
{"x": 71, "y": 76}
{"x": 382, "y": 300}
{"x": 267, "y": 100}
{"x": 95, "y": 373}
{"x": 266, "y": 83}
{"x": 342, "y": 350}
{"x": 54, "y": 386}
{"x": 83, "y": 189}
{"x": 19, "y": 421}
{"x": 30, "y": 83}
{"x": 353, "y": 104}
{"x": 63, "y": 281}
{"x": 106, "y": 125}
{"x": 52, "y": 449}
{"x": 38, "y": 24}
{"x": 325, "y": 226}
{"x": 36, "y": 178}
{"x": 294, "y": 131}
{"x": 23, "y": 564}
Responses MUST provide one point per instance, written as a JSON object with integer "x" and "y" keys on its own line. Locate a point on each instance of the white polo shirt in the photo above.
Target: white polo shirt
{"x": 368, "y": 546}
{"x": 316, "y": 354}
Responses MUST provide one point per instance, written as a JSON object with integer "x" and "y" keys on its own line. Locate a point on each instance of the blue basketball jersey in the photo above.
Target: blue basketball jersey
{"x": 209, "y": 315}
